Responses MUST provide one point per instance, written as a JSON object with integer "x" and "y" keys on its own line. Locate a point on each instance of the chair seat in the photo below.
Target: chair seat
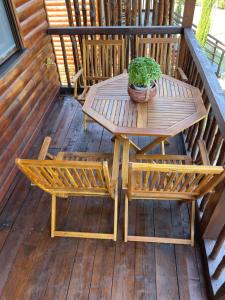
{"x": 85, "y": 156}
{"x": 161, "y": 159}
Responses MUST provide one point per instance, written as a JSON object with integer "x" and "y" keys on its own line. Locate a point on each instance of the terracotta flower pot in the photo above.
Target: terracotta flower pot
{"x": 142, "y": 96}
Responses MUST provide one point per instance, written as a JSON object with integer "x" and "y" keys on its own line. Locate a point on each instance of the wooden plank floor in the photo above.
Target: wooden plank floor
{"x": 34, "y": 266}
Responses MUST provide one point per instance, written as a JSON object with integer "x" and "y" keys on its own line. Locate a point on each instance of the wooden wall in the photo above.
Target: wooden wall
{"x": 26, "y": 89}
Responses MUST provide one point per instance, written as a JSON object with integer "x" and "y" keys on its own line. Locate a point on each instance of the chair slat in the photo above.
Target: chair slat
{"x": 195, "y": 182}
{"x": 186, "y": 180}
{"x": 102, "y": 59}
{"x": 203, "y": 182}
{"x": 161, "y": 181}
{"x": 69, "y": 176}
{"x": 55, "y": 175}
{"x": 62, "y": 175}
{"x": 84, "y": 177}
{"x": 170, "y": 182}
{"x": 154, "y": 180}
{"x": 183, "y": 187}
{"x": 164, "y": 50}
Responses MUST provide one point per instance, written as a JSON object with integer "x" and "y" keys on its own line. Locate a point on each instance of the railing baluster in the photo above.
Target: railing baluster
{"x": 65, "y": 60}
{"x": 218, "y": 245}
{"x": 216, "y": 147}
{"x": 219, "y": 269}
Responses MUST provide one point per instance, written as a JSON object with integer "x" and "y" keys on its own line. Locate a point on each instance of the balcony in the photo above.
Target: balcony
{"x": 35, "y": 266}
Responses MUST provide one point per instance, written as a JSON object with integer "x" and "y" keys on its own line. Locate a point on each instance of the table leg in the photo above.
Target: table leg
{"x": 132, "y": 144}
{"x": 163, "y": 147}
{"x": 153, "y": 144}
{"x": 125, "y": 161}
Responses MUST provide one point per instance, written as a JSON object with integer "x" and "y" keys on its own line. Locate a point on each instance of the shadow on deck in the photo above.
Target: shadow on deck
{"x": 34, "y": 266}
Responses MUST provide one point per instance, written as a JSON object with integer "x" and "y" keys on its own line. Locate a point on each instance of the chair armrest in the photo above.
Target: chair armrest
{"x": 77, "y": 75}
{"x": 44, "y": 149}
{"x": 75, "y": 79}
{"x": 203, "y": 153}
{"x": 182, "y": 74}
{"x": 116, "y": 163}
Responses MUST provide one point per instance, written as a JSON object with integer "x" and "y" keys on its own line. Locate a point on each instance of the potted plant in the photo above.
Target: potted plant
{"x": 143, "y": 73}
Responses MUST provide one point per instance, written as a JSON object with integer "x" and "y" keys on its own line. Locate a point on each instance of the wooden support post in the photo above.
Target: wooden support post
{"x": 188, "y": 15}
{"x": 189, "y": 9}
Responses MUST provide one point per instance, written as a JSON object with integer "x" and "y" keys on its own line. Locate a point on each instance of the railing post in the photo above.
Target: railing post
{"x": 219, "y": 65}
{"x": 189, "y": 9}
{"x": 188, "y": 15}
{"x": 214, "y": 52}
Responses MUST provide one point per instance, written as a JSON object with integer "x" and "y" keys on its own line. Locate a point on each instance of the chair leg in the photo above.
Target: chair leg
{"x": 85, "y": 122}
{"x": 53, "y": 216}
{"x": 163, "y": 148}
{"x": 192, "y": 223}
{"x": 115, "y": 217}
{"x": 126, "y": 219}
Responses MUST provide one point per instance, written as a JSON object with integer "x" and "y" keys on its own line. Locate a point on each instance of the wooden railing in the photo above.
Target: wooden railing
{"x": 211, "y": 129}
{"x": 214, "y": 48}
{"x": 67, "y": 43}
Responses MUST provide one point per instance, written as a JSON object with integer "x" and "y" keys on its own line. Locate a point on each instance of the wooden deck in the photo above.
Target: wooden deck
{"x": 34, "y": 266}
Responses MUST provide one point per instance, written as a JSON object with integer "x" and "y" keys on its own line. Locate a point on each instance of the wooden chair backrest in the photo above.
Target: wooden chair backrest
{"x": 172, "y": 181}
{"x": 102, "y": 59}
{"x": 68, "y": 177}
{"x": 165, "y": 51}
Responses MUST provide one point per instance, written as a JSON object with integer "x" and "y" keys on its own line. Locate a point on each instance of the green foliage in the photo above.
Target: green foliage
{"x": 221, "y": 4}
{"x": 204, "y": 22}
{"x": 179, "y": 6}
{"x": 143, "y": 70}
{"x": 198, "y": 2}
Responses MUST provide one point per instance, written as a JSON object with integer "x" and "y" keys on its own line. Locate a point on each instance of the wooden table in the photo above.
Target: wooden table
{"x": 176, "y": 107}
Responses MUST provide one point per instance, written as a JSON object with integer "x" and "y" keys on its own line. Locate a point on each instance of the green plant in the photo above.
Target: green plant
{"x": 179, "y": 7}
{"x": 204, "y": 22}
{"x": 221, "y": 4}
{"x": 143, "y": 71}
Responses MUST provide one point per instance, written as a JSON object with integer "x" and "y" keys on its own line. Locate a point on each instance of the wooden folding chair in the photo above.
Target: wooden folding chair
{"x": 167, "y": 177}
{"x": 102, "y": 59}
{"x": 75, "y": 174}
{"x": 165, "y": 50}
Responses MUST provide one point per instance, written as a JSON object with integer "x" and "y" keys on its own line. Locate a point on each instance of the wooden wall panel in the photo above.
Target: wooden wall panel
{"x": 26, "y": 89}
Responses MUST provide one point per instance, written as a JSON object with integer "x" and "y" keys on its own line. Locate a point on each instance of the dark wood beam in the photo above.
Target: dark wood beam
{"x": 114, "y": 30}
{"x": 188, "y": 15}
{"x": 220, "y": 292}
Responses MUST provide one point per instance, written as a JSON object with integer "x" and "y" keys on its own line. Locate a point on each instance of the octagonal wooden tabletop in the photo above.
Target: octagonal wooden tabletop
{"x": 176, "y": 107}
